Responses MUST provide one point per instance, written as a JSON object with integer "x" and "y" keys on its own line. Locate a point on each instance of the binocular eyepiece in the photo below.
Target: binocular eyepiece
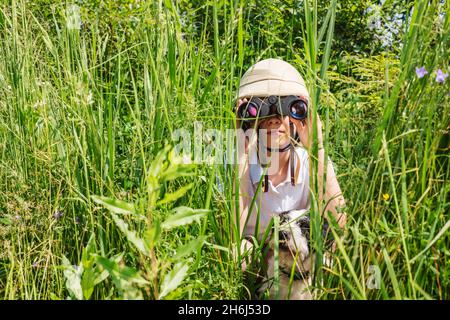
{"x": 272, "y": 105}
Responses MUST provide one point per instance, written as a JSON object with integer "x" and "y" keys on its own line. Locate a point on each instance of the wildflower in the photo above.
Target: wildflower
{"x": 421, "y": 72}
{"x": 58, "y": 214}
{"x": 440, "y": 76}
{"x": 374, "y": 24}
{"x": 386, "y": 38}
{"x": 386, "y": 196}
{"x": 34, "y": 265}
{"x": 368, "y": 10}
{"x": 17, "y": 217}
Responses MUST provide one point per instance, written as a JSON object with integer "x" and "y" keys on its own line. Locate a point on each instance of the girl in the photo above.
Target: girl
{"x": 274, "y": 138}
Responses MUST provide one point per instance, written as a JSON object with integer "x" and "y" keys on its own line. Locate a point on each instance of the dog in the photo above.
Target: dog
{"x": 295, "y": 254}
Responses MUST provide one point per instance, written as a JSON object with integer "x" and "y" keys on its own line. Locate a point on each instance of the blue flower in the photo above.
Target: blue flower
{"x": 421, "y": 72}
{"x": 58, "y": 214}
{"x": 440, "y": 76}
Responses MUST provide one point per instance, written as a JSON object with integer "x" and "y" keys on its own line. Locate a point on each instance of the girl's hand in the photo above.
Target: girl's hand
{"x": 304, "y": 129}
{"x": 241, "y": 101}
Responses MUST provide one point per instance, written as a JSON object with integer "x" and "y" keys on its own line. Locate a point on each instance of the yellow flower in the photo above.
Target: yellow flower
{"x": 386, "y": 196}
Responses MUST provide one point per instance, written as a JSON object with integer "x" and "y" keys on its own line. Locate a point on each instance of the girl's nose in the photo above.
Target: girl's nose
{"x": 274, "y": 121}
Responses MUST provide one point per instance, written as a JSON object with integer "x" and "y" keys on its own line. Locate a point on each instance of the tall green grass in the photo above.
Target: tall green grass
{"x": 85, "y": 123}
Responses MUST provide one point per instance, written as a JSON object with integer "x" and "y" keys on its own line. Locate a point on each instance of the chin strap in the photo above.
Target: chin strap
{"x": 265, "y": 184}
{"x": 286, "y": 147}
{"x": 292, "y": 155}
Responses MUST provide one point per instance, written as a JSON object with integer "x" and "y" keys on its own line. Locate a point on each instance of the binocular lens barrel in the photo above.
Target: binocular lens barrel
{"x": 248, "y": 110}
{"x": 296, "y": 108}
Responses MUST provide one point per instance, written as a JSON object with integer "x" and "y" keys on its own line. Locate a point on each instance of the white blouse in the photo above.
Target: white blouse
{"x": 283, "y": 197}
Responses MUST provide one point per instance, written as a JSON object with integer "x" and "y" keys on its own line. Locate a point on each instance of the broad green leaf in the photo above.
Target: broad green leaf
{"x": 100, "y": 277}
{"x": 190, "y": 247}
{"x": 183, "y": 216}
{"x": 89, "y": 274}
{"x": 131, "y": 235}
{"x": 54, "y": 296}
{"x": 176, "y": 171}
{"x": 6, "y": 221}
{"x": 173, "y": 278}
{"x": 169, "y": 197}
{"x": 123, "y": 277}
{"x": 121, "y": 272}
{"x": 114, "y": 205}
{"x": 152, "y": 235}
{"x": 87, "y": 282}
{"x": 92, "y": 274}
{"x": 87, "y": 258}
{"x": 158, "y": 163}
{"x": 73, "y": 278}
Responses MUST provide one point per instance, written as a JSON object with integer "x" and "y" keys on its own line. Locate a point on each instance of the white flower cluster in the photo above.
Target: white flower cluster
{"x": 386, "y": 28}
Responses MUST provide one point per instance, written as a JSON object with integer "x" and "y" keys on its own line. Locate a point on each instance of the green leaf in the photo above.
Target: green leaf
{"x": 6, "y": 221}
{"x": 173, "y": 278}
{"x": 169, "y": 197}
{"x": 114, "y": 205}
{"x": 176, "y": 171}
{"x": 89, "y": 274}
{"x": 124, "y": 278}
{"x": 100, "y": 277}
{"x": 73, "y": 278}
{"x": 190, "y": 247}
{"x": 158, "y": 163}
{"x": 103, "y": 273}
{"x": 152, "y": 235}
{"x": 92, "y": 276}
{"x": 54, "y": 296}
{"x": 183, "y": 216}
{"x": 131, "y": 235}
{"x": 121, "y": 272}
{"x": 87, "y": 258}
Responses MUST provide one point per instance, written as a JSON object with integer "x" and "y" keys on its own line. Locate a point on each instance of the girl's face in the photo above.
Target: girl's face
{"x": 278, "y": 134}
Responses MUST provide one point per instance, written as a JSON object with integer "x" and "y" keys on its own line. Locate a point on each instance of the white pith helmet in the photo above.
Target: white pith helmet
{"x": 272, "y": 77}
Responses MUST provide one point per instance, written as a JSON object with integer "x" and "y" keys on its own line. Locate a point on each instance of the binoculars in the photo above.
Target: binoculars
{"x": 273, "y": 105}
